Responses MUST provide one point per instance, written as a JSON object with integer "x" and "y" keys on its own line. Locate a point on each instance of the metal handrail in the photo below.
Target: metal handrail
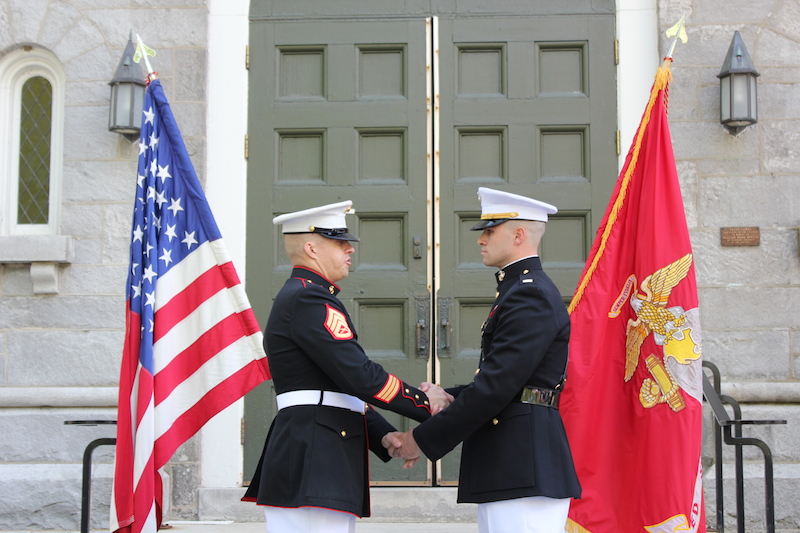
{"x": 732, "y": 428}
{"x": 86, "y": 481}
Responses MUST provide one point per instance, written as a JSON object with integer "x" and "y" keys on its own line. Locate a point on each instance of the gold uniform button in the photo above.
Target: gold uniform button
{"x": 416, "y": 396}
{"x": 477, "y": 371}
{"x": 497, "y": 294}
{"x": 426, "y": 402}
{"x": 525, "y": 271}
{"x": 407, "y": 391}
{"x": 494, "y": 422}
{"x": 344, "y": 433}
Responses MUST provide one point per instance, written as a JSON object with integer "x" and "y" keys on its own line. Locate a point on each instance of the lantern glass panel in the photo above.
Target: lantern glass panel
{"x": 138, "y": 104}
{"x": 740, "y": 97}
{"x": 112, "y": 108}
{"x": 753, "y": 103}
{"x": 725, "y": 99}
{"x": 123, "y": 109}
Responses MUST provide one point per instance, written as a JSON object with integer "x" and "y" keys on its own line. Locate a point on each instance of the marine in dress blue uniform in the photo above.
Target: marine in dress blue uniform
{"x": 515, "y": 461}
{"x": 315, "y": 455}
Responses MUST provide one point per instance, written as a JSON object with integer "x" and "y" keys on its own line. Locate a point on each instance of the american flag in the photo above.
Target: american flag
{"x": 192, "y": 343}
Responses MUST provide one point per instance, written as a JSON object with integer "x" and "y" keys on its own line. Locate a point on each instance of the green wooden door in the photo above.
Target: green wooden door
{"x": 527, "y": 106}
{"x": 407, "y": 115}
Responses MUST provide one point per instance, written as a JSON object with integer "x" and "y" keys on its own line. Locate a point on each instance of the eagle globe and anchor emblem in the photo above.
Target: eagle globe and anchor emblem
{"x": 675, "y": 329}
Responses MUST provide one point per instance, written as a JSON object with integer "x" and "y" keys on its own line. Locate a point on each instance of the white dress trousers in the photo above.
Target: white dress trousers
{"x": 308, "y": 520}
{"x": 536, "y": 514}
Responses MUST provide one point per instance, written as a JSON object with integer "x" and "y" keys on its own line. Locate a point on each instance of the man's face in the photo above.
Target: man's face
{"x": 334, "y": 258}
{"x": 497, "y": 245}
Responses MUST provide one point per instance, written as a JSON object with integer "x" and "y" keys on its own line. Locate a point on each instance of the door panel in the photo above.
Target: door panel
{"x": 340, "y": 113}
{"x": 525, "y": 111}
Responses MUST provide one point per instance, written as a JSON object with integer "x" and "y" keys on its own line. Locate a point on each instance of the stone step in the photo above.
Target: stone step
{"x": 362, "y": 526}
{"x": 389, "y": 504}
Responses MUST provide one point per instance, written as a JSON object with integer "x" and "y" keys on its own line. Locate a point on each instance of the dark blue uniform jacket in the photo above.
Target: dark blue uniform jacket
{"x": 511, "y": 449}
{"x": 315, "y": 455}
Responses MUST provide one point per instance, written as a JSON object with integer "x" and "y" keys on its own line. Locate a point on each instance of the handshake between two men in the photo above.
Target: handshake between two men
{"x": 402, "y": 445}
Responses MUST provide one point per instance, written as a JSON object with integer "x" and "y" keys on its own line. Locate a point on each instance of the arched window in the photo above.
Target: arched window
{"x": 31, "y": 140}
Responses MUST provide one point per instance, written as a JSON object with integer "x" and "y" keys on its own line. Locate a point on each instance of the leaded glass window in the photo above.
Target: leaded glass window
{"x": 36, "y": 117}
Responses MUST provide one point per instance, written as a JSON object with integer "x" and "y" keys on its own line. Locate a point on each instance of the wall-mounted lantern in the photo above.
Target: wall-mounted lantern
{"x": 738, "y": 102}
{"x": 127, "y": 96}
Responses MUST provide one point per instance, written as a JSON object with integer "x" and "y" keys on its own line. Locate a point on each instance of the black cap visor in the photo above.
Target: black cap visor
{"x": 490, "y": 223}
{"x": 339, "y": 234}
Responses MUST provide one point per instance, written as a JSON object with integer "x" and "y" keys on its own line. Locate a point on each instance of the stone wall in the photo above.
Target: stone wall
{"x": 749, "y": 296}
{"x": 60, "y": 353}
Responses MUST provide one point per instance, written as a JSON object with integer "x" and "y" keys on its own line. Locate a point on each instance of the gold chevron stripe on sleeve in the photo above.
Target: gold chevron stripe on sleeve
{"x": 389, "y": 390}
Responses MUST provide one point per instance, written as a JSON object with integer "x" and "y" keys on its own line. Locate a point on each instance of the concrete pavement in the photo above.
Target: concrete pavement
{"x": 362, "y": 526}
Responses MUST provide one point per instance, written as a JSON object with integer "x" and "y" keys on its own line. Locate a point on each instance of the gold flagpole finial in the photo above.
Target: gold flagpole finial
{"x": 678, "y": 31}
{"x": 142, "y": 51}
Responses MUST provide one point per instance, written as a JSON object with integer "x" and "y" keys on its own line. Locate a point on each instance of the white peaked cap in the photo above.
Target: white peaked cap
{"x": 327, "y": 220}
{"x": 499, "y": 206}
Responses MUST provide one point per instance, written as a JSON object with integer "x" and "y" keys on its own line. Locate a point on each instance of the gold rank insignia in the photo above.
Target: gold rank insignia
{"x": 336, "y": 324}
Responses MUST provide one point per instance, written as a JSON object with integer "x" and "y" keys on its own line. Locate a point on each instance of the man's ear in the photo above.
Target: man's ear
{"x": 519, "y": 235}
{"x": 310, "y": 248}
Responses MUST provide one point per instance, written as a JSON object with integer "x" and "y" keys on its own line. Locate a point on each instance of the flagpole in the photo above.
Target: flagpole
{"x": 143, "y": 50}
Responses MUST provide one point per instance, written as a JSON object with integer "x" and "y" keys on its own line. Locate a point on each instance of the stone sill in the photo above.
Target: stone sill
{"x": 43, "y": 252}
{"x": 22, "y": 397}
{"x": 762, "y": 391}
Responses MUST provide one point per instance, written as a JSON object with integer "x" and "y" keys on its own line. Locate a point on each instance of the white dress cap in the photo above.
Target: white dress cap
{"x": 327, "y": 220}
{"x": 500, "y": 206}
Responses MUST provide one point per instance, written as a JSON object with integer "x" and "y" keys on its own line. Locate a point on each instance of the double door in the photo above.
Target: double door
{"x": 407, "y": 116}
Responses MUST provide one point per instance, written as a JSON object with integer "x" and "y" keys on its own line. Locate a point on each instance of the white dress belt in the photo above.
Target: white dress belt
{"x": 320, "y": 397}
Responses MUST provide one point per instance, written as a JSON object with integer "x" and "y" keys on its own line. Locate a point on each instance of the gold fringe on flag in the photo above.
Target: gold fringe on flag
{"x": 574, "y": 527}
{"x": 662, "y": 80}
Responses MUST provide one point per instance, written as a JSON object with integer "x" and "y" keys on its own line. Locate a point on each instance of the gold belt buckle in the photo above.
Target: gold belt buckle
{"x": 539, "y": 396}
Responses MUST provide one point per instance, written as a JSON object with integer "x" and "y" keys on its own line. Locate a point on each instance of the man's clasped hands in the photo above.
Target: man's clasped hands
{"x": 402, "y": 445}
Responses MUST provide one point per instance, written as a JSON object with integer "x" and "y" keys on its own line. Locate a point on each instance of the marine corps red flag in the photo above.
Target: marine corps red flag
{"x": 633, "y": 404}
